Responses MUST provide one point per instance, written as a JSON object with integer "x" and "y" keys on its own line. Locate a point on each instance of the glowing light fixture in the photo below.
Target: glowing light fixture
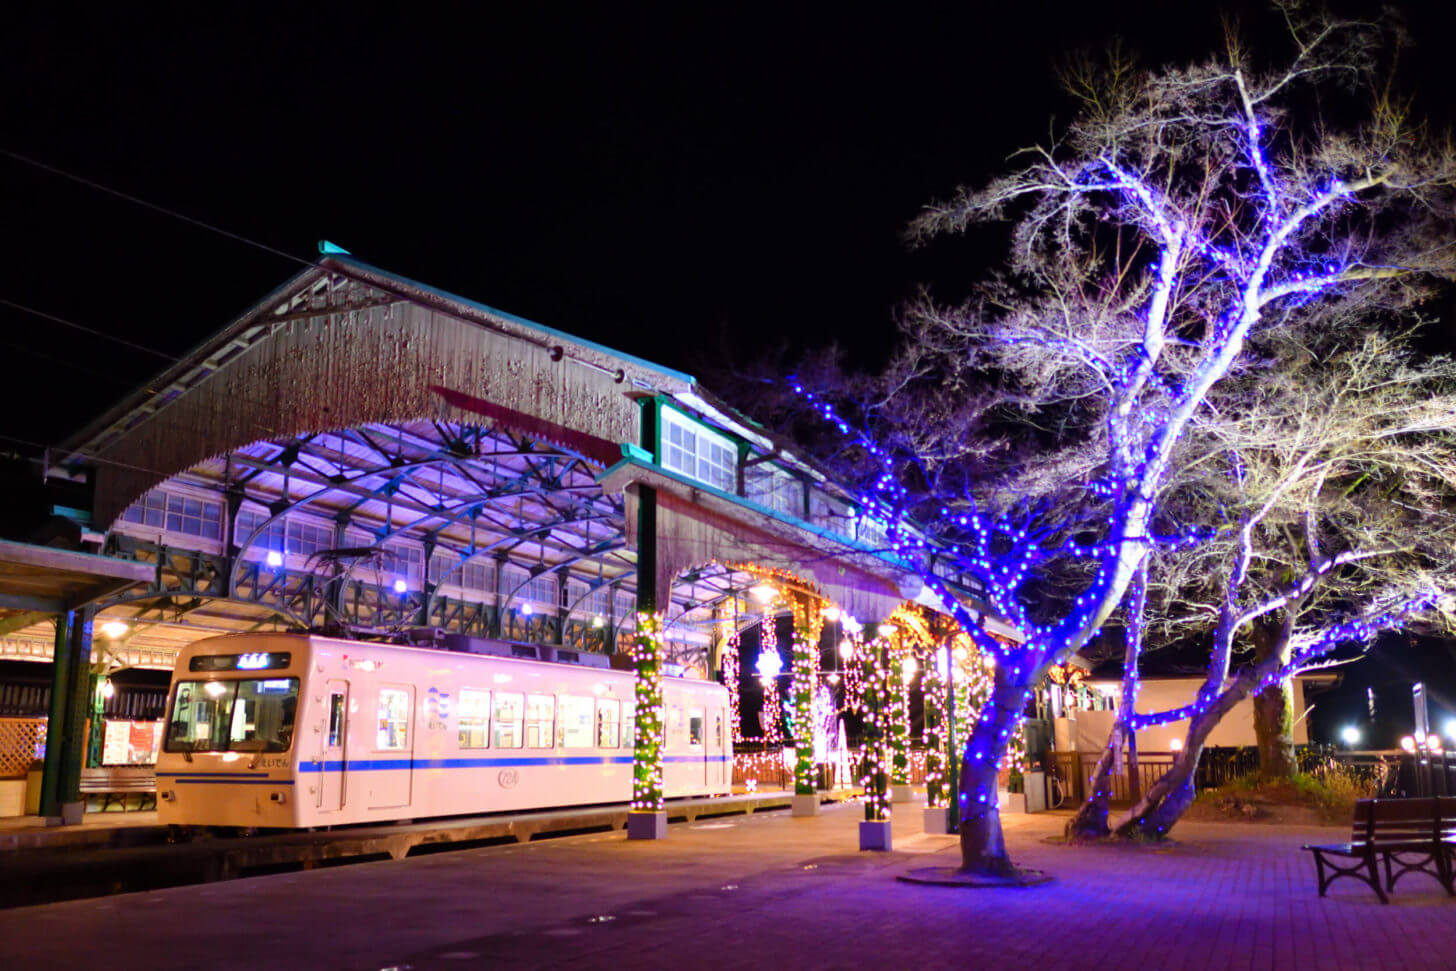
{"x": 274, "y": 558}
{"x": 831, "y": 614}
{"x": 1350, "y": 735}
{"x": 107, "y": 688}
{"x": 400, "y": 586}
{"x": 597, "y": 621}
{"x": 846, "y": 649}
{"x": 832, "y": 679}
{"x": 215, "y": 688}
{"x": 1408, "y": 743}
{"x": 908, "y": 669}
{"x": 526, "y": 609}
{"x": 1433, "y": 743}
{"x": 114, "y": 629}
{"x": 887, "y": 630}
{"x": 764, "y": 592}
{"x": 769, "y": 664}
{"x": 1450, "y": 730}
{"x": 1175, "y": 745}
{"x": 851, "y": 625}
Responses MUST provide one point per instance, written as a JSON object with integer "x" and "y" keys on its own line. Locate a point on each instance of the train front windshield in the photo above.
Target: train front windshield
{"x": 245, "y": 715}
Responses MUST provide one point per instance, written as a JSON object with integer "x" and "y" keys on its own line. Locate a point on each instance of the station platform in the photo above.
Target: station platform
{"x": 760, "y": 889}
{"x": 123, "y": 852}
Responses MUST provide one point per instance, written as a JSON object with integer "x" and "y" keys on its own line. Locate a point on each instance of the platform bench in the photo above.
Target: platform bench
{"x": 119, "y": 785}
{"x": 1406, "y": 835}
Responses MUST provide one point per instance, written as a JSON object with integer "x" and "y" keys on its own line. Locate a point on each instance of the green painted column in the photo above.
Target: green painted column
{"x": 71, "y": 697}
{"x": 56, "y": 718}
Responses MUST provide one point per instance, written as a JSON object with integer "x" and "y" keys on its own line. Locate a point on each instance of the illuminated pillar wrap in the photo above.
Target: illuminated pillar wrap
{"x": 731, "y": 666}
{"x": 648, "y": 740}
{"x": 808, "y": 623}
{"x": 932, "y": 689}
{"x": 874, "y": 775}
{"x": 898, "y": 705}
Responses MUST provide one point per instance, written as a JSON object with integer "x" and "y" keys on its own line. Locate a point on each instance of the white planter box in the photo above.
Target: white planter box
{"x": 646, "y": 825}
{"x": 805, "y": 805}
{"x": 874, "y": 835}
{"x": 937, "y": 819}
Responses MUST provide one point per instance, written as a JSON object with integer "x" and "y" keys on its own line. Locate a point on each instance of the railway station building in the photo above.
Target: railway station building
{"x": 363, "y": 455}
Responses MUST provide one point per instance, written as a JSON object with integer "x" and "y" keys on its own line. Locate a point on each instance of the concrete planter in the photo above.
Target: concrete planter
{"x": 805, "y": 805}
{"x": 937, "y": 819}
{"x": 874, "y": 835}
{"x": 643, "y": 825}
{"x": 902, "y": 794}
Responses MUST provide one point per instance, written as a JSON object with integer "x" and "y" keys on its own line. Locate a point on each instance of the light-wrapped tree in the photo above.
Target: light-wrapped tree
{"x": 1186, "y": 219}
{"x": 1334, "y": 485}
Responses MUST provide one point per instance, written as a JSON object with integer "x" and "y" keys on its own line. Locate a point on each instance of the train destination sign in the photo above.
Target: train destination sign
{"x": 256, "y": 661}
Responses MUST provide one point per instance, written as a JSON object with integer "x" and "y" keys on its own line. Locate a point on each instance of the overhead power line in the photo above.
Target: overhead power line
{"x": 92, "y": 184}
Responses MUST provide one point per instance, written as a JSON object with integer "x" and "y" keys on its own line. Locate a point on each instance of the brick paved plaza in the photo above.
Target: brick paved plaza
{"x": 766, "y": 890}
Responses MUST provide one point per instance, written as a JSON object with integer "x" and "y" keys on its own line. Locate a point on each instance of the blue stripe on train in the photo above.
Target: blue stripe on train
{"x": 370, "y": 765}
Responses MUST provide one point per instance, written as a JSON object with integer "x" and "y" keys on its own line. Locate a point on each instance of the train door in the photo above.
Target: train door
{"x": 333, "y": 764}
{"x": 719, "y": 755}
{"x": 699, "y": 743}
{"x": 392, "y": 762}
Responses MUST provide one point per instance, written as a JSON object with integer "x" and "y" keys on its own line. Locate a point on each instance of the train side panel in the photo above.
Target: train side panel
{"x": 385, "y": 733}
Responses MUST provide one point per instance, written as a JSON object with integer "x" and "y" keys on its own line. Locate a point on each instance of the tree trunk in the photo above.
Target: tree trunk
{"x": 1167, "y": 799}
{"x": 1091, "y": 820}
{"x": 983, "y": 846}
{"x": 1274, "y": 710}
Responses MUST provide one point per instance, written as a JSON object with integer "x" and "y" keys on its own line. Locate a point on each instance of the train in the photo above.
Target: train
{"x": 295, "y": 731}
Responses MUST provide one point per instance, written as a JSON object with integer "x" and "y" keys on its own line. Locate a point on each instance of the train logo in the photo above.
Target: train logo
{"x": 508, "y": 778}
{"x": 437, "y": 708}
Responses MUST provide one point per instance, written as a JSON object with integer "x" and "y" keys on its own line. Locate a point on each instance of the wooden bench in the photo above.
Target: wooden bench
{"x": 1408, "y": 835}
{"x": 118, "y": 784}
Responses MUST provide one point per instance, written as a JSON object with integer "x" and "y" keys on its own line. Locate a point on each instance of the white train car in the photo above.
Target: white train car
{"x": 291, "y": 730}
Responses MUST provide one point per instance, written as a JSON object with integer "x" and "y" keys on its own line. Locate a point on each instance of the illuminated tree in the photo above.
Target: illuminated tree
{"x": 1188, "y": 219}
{"x": 1336, "y": 484}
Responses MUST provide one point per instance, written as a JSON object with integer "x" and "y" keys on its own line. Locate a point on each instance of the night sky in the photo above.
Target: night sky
{"x": 685, "y": 185}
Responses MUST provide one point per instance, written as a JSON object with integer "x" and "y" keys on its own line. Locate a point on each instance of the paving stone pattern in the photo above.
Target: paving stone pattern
{"x": 766, "y": 890}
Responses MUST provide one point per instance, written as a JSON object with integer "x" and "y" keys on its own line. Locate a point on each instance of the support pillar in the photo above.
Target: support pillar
{"x": 648, "y": 818}
{"x": 60, "y": 794}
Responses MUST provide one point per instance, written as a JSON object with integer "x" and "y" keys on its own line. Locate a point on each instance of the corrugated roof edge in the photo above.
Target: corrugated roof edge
{"x": 352, "y": 262}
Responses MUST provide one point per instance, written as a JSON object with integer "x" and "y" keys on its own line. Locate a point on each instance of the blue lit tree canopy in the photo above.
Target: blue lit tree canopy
{"x": 1188, "y": 224}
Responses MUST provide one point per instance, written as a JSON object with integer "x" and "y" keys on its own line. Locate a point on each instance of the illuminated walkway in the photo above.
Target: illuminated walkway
{"x": 765, "y": 889}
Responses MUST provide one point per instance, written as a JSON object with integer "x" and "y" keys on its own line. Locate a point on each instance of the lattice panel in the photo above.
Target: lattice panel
{"x": 22, "y": 740}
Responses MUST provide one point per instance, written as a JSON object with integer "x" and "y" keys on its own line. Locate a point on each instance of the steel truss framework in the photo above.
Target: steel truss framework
{"x": 460, "y": 494}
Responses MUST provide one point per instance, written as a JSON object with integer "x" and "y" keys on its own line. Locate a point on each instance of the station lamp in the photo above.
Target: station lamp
{"x": 1350, "y": 735}
{"x": 274, "y": 559}
{"x": 114, "y": 629}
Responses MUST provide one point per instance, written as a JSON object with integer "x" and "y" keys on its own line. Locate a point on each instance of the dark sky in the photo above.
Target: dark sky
{"x": 659, "y": 181}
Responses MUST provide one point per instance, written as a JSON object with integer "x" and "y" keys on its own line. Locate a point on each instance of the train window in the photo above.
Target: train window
{"x": 474, "y": 718}
{"x": 540, "y": 720}
{"x": 718, "y": 730}
{"x": 695, "y": 726}
{"x": 246, "y": 715}
{"x": 575, "y": 723}
{"x": 507, "y": 724}
{"x": 609, "y": 714}
{"x": 393, "y": 727}
{"x": 336, "y": 719}
{"x": 629, "y": 726}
